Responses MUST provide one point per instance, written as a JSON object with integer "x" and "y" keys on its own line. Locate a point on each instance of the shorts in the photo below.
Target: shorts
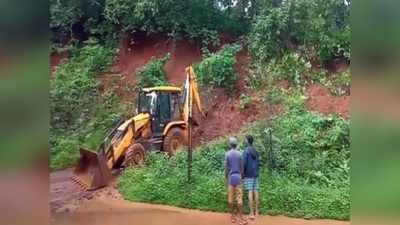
{"x": 235, "y": 194}
{"x": 251, "y": 184}
{"x": 235, "y": 179}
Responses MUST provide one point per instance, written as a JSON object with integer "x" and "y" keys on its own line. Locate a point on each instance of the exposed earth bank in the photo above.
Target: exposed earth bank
{"x": 321, "y": 100}
{"x": 224, "y": 113}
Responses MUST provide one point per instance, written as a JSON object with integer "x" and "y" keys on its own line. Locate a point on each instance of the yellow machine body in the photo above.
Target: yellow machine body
{"x": 94, "y": 168}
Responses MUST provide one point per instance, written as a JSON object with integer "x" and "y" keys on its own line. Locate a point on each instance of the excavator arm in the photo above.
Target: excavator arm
{"x": 192, "y": 95}
{"x": 94, "y": 168}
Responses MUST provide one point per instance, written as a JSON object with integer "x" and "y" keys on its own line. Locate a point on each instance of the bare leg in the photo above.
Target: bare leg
{"x": 239, "y": 199}
{"x": 240, "y": 211}
{"x": 233, "y": 212}
{"x": 230, "y": 204}
{"x": 256, "y": 200}
{"x": 251, "y": 204}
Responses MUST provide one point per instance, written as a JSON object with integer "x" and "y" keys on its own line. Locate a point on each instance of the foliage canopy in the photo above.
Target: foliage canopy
{"x": 321, "y": 26}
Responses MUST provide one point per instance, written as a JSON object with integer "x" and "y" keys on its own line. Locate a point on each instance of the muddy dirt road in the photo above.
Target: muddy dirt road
{"x": 70, "y": 205}
{"x": 120, "y": 212}
{"x": 68, "y": 196}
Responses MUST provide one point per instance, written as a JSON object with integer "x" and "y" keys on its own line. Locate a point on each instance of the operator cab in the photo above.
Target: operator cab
{"x": 163, "y": 105}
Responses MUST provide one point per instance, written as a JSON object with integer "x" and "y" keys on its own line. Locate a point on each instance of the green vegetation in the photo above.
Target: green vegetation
{"x": 292, "y": 98}
{"x": 287, "y": 36}
{"x": 322, "y": 27}
{"x": 245, "y": 101}
{"x": 306, "y": 174}
{"x": 73, "y": 90}
{"x": 338, "y": 83}
{"x": 195, "y": 19}
{"x": 291, "y": 67}
{"x": 80, "y": 112}
{"x": 153, "y": 73}
{"x": 217, "y": 69}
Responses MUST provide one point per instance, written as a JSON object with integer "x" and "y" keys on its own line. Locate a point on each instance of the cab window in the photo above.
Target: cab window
{"x": 164, "y": 104}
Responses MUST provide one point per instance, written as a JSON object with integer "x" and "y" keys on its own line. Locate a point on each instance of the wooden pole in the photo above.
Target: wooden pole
{"x": 189, "y": 159}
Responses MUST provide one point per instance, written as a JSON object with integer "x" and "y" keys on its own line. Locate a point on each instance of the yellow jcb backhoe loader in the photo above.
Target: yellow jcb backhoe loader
{"x": 161, "y": 123}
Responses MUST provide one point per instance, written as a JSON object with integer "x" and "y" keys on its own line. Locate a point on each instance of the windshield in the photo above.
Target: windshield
{"x": 147, "y": 102}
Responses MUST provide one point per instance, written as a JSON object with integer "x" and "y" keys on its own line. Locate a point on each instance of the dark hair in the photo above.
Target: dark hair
{"x": 249, "y": 139}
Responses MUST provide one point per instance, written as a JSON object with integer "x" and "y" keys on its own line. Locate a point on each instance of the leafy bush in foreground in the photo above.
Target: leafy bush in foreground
{"x": 217, "y": 69}
{"x": 309, "y": 176}
{"x": 153, "y": 73}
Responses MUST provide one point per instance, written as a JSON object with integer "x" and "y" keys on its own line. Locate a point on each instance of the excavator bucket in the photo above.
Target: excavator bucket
{"x": 92, "y": 171}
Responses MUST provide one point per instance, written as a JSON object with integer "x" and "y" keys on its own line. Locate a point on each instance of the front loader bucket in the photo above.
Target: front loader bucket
{"x": 92, "y": 171}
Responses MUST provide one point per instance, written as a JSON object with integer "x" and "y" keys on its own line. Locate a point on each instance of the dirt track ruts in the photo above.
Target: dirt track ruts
{"x": 119, "y": 212}
{"x": 71, "y": 205}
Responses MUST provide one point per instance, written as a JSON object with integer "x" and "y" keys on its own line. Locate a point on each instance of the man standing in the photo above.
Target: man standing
{"x": 233, "y": 177}
{"x": 251, "y": 164}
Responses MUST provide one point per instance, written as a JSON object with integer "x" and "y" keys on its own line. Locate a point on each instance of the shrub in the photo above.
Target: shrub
{"x": 266, "y": 37}
{"x": 337, "y": 83}
{"x": 65, "y": 153}
{"x": 286, "y": 196}
{"x": 153, "y": 73}
{"x": 80, "y": 112}
{"x": 292, "y": 98}
{"x": 320, "y": 25}
{"x": 291, "y": 67}
{"x": 317, "y": 146}
{"x": 245, "y": 101}
{"x": 309, "y": 176}
{"x": 65, "y": 144}
{"x": 217, "y": 69}
{"x": 73, "y": 90}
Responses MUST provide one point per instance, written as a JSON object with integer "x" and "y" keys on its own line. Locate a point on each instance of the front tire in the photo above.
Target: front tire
{"x": 135, "y": 155}
{"x": 174, "y": 140}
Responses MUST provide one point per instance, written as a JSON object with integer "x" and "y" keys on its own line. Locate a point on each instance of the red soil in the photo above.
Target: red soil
{"x": 56, "y": 59}
{"x": 136, "y": 51}
{"x": 241, "y": 68}
{"x": 321, "y": 100}
{"x": 221, "y": 109}
{"x": 224, "y": 116}
{"x": 224, "y": 113}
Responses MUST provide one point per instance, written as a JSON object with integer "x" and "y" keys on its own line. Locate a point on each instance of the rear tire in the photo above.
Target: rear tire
{"x": 175, "y": 139}
{"x": 135, "y": 155}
